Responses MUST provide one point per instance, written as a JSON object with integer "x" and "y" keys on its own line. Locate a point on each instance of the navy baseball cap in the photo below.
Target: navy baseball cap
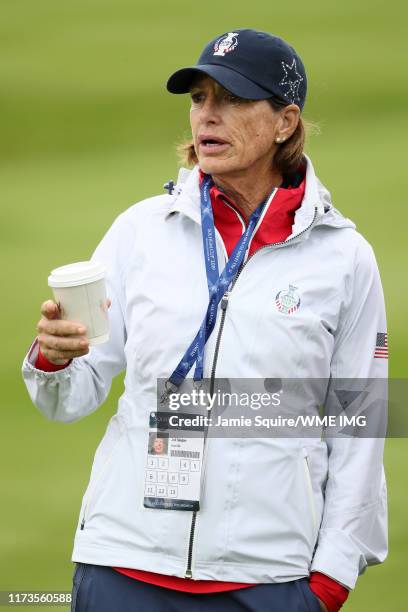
{"x": 250, "y": 64}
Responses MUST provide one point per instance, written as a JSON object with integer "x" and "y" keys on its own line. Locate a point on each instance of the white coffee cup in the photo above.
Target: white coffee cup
{"x": 80, "y": 291}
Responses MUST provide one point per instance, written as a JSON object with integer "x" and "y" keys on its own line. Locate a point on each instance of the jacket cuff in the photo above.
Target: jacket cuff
{"x": 338, "y": 557}
{"x": 42, "y": 363}
{"x": 29, "y": 368}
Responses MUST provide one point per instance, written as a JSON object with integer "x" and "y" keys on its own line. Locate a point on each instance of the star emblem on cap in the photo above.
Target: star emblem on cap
{"x": 293, "y": 79}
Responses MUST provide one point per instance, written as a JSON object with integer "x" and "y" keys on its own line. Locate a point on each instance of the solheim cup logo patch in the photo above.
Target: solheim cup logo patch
{"x": 287, "y": 301}
{"x": 226, "y": 43}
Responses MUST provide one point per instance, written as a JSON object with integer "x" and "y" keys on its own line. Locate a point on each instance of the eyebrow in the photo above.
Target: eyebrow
{"x": 197, "y": 82}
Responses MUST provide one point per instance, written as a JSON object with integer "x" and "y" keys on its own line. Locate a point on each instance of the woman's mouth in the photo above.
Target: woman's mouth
{"x": 211, "y": 145}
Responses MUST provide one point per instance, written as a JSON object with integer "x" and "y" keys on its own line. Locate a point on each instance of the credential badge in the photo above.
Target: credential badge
{"x": 226, "y": 43}
{"x": 288, "y": 301}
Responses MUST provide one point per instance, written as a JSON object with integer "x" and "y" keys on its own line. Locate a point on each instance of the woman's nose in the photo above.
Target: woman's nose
{"x": 210, "y": 110}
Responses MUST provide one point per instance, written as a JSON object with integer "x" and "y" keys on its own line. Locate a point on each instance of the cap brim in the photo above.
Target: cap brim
{"x": 180, "y": 81}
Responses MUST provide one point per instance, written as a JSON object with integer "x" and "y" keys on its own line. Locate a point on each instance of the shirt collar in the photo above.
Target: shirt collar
{"x": 277, "y": 221}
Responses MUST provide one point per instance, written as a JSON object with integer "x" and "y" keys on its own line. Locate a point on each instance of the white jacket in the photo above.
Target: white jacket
{"x": 272, "y": 509}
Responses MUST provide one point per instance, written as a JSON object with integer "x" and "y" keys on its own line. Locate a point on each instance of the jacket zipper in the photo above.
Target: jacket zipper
{"x": 224, "y": 305}
{"x": 189, "y": 573}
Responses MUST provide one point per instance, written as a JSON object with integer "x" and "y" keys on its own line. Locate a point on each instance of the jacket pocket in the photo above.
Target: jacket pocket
{"x": 309, "y": 489}
{"x": 97, "y": 480}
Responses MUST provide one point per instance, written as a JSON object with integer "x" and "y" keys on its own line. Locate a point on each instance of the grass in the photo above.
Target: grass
{"x": 88, "y": 129}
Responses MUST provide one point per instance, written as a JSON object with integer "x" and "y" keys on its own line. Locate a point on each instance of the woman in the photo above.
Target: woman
{"x": 157, "y": 446}
{"x": 287, "y": 289}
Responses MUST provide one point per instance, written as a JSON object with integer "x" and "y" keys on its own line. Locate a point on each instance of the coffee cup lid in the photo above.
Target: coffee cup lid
{"x": 79, "y": 273}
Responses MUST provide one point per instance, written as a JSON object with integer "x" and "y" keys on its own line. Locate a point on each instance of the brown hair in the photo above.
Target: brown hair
{"x": 288, "y": 156}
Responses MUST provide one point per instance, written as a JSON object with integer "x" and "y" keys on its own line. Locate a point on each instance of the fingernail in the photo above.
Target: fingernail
{"x": 81, "y": 330}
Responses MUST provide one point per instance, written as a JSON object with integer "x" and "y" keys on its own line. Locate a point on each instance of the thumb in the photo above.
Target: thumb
{"x": 51, "y": 310}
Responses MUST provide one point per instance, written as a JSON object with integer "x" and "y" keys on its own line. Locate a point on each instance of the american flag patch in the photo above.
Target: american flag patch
{"x": 381, "y": 347}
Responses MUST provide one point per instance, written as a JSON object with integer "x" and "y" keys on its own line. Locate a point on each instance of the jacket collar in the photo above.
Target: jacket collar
{"x": 312, "y": 211}
{"x": 187, "y": 194}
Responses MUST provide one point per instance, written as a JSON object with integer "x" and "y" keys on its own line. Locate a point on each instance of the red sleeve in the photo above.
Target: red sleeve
{"x": 43, "y": 364}
{"x": 328, "y": 590}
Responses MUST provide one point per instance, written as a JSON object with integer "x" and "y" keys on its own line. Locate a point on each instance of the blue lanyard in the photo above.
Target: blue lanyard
{"x": 217, "y": 285}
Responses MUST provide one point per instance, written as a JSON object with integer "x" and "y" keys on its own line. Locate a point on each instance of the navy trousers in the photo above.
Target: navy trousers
{"x": 101, "y": 589}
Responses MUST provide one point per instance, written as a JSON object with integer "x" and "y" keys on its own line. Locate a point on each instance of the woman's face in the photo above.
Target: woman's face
{"x": 231, "y": 134}
{"x": 158, "y": 445}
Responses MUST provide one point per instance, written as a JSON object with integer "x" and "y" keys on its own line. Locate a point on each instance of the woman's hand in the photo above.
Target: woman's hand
{"x": 60, "y": 341}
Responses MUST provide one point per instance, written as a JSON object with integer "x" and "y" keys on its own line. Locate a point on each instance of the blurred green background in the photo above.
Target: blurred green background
{"x": 87, "y": 129}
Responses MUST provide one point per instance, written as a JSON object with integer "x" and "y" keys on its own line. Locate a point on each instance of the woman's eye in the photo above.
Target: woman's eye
{"x": 229, "y": 97}
{"x": 197, "y": 97}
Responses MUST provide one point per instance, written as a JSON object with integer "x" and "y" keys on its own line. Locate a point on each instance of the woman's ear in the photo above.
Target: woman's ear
{"x": 290, "y": 115}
